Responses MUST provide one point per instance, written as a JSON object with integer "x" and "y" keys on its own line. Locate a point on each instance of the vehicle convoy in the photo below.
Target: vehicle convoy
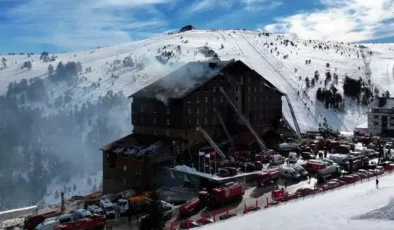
{"x": 267, "y": 177}
{"x": 227, "y": 193}
{"x": 32, "y": 221}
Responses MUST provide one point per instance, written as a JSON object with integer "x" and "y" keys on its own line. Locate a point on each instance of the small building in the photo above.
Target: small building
{"x": 169, "y": 110}
{"x": 381, "y": 117}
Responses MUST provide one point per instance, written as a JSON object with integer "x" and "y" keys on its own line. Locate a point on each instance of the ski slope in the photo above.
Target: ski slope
{"x": 357, "y": 207}
{"x": 247, "y": 46}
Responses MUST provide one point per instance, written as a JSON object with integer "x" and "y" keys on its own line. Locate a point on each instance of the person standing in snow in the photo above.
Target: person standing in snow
{"x": 285, "y": 184}
{"x": 377, "y": 183}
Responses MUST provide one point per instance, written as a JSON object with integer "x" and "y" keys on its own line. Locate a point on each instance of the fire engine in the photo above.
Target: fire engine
{"x": 267, "y": 177}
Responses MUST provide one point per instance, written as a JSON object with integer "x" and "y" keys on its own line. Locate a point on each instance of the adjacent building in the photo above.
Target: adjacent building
{"x": 166, "y": 113}
{"x": 381, "y": 117}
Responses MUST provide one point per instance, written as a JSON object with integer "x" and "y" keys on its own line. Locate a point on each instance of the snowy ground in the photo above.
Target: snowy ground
{"x": 82, "y": 187}
{"x": 357, "y": 207}
{"x": 247, "y": 46}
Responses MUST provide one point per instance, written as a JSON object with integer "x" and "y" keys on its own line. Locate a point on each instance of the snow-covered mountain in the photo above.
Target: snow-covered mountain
{"x": 71, "y": 109}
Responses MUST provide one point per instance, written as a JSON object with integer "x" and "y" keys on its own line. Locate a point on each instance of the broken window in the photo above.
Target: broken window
{"x": 154, "y": 120}
{"x": 197, "y": 99}
{"x": 168, "y": 121}
{"x": 189, "y": 111}
{"x": 206, "y": 99}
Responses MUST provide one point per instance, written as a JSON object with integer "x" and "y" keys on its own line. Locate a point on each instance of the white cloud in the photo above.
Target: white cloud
{"x": 76, "y": 24}
{"x": 248, "y": 5}
{"x": 344, "y": 20}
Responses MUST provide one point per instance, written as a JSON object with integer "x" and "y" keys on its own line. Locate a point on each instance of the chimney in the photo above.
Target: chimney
{"x": 382, "y": 101}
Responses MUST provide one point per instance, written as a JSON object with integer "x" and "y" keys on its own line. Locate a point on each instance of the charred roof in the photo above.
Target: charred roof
{"x": 183, "y": 80}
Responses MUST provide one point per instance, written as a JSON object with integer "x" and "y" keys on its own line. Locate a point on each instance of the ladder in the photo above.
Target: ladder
{"x": 211, "y": 142}
{"x": 298, "y": 131}
{"x": 247, "y": 123}
{"x": 225, "y": 129}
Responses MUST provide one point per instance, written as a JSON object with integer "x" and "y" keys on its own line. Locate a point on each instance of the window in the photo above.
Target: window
{"x": 206, "y": 121}
{"x": 190, "y": 122}
{"x": 214, "y": 109}
{"x": 198, "y": 121}
{"x": 154, "y": 120}
{"x": 255, "y": 88}
{"x": 376, "y": 116}
{"x": 214, "y": 99}
{"x": 197, "y": 99}
{"x": 236, "y": 88}
{"x": 261, "y": 116}
{"x": 206, "y": 110}
{"x": 249, "y": 88}
{"x": 156, "y": 132}
{"x": 260, "y": 98}
{"x": 254, "y": 97}
{"x": 125, "y": 168}
{"x": 221, "y": 98}
{"x": 142, "y": 109}
{"x": 198, "y": 110}
{"x": 221, "y": 87}
{"x": 391, "y": 124}
{"x": 168, "y": 121}
{"x": 142, "y": 120}
{"x": 189, "y": 111}
{"x": 214, "y": 89}
{"x": 206, "y": 89}
{"x": 138, "y": 171}
{"x": 189, "y": 100}
{"x": 236, "y": 98}
{"x": 206, "y": 99}
{"x": 124, "y": 181}
{"x": 261, "y": 89}
{"x": 167, "y": 132}
{"x": 376, "y": 123}
{"x": 185, "y": 133}
{"x": 167, "y": 110}
{"x": 248, "y": 98}
{"x": 221, "y": 77}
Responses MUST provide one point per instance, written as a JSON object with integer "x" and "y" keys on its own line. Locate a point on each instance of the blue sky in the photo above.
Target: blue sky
{"x": 67, "y": 25}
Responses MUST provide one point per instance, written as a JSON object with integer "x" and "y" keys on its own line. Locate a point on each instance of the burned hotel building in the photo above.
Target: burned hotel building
{"x": 166, "y": 113}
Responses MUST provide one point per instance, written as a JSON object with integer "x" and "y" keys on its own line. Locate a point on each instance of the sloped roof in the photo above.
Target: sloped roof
{"x": 389, "y": 104}
{"x": 183, "y": 80}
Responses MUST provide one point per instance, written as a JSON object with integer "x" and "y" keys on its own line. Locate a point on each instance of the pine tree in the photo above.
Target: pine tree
{"x": 154, "y": 219}
{"x": 50, "y": 70}
{"x": 307, "y": 82}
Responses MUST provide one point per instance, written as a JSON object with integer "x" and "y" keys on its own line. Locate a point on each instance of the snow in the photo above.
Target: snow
{"x": 357, "y": 207}
{"x": 187, "y": 169}
{"x": 246, "y": 46}
{"x": 82, "y": 187}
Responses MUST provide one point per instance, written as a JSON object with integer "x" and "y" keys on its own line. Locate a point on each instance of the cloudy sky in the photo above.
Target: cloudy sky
{"x": 66, "y": 25}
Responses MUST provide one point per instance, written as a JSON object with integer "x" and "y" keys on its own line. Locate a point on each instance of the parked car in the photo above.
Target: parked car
{"x": 303, "y": 173}
{"x": 233, "y": 171}
{"x": 304, "y": 192}
{"x": 277, "y": 159}
{"x": 308, "y": 156}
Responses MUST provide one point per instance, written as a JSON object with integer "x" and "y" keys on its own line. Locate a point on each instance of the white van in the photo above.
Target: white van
{"x": 277, "y": 159}
{"x": 47, "y": 225}
{"x": 293, "y": 157}
{"x": 108, "y": 208}
{"x": 289, "y": 173}
{"x": 81, "y": 214}
{"x": 94, "y": 209}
